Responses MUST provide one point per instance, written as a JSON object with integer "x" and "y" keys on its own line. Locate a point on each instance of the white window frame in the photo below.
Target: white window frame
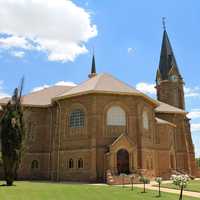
{"x": 116, "y": 116}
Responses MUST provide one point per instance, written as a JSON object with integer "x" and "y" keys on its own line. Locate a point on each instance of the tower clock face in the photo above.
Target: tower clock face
{"x": 174, "y": 78}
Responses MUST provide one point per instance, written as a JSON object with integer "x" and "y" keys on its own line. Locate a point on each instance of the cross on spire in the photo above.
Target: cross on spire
{"x": 163, "y": 23}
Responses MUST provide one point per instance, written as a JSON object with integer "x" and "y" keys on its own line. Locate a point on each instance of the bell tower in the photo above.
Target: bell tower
{"x": 169, "y": 82}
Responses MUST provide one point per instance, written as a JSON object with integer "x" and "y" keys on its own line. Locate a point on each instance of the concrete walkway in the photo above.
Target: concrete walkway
{"x": 152, "y": 186}
{"x": 174, "y": 191}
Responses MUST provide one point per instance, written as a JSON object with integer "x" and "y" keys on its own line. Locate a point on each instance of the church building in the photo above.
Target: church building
{"x": 80, "y": 133}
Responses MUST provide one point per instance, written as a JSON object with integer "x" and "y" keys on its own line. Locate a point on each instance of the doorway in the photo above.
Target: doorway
{"x": 123, "y": 161}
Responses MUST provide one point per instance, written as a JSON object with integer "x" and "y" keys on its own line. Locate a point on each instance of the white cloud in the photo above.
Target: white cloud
{"x": 130, "y": 50}
{"x": 39, "y": 88}
{"x": 59, "y": 83}
{"x": 14, "y": 41}
{"x": 192, "y": 92}
{"x": 194, "y": 114}
{"x": 65, "y": 83}
{"x": 2, "y": 92}
{"x": 18, "y": 54}
{"x": 58, "y": 28}
{"x": 147, "y": 88}
{"x": 195, "y": 127}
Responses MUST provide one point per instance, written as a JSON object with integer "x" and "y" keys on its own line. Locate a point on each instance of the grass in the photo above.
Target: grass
{"x": 193, "y": 185}
{"x": 55, "y": 191}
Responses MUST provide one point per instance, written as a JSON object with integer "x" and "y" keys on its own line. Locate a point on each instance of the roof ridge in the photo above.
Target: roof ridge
{"x": 46, "y": 88}
{"x": 98, "y": 77}
{"x": 161, "y": 108}
{"x": 123, "y": 82}
{"x": 163, "y": 120}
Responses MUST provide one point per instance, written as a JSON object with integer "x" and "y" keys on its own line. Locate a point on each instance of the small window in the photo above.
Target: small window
{"x": 145, "y": 120}
{"x": 77, "y": 119}
{"x": 80, "y": 163}
{"x": 34, "y": 164}
{"x": 71, "y": 163}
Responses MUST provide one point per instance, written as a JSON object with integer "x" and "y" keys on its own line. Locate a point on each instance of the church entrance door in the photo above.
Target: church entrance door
{"x": 123, "y": 161}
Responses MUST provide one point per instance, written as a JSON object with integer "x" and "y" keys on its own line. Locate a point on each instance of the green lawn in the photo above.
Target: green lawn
{"x": 193, "y": 185}
{"x": 53, "y": 191}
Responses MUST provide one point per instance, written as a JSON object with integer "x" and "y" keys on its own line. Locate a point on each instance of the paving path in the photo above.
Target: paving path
{"x": 152, "y": 187}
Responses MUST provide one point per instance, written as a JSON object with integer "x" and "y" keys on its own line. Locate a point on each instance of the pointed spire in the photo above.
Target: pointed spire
{"x": 167, "y": 58}
{"x": 93, "y": 69}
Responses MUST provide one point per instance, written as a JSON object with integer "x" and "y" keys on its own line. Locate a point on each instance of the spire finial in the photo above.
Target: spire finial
{"x": 163, "y": 23}
{"x": 93, "y": 51}
{"x": 93, "y": 69}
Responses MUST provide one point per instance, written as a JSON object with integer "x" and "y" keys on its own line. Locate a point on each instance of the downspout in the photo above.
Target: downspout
{"x": 50, "y": 142}
{"x": 175, "y": 140}
{"x": 58, "y": 132}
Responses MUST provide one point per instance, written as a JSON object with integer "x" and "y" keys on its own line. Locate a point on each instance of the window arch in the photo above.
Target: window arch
{"x": 34, "y": 164}
{"x": 80, "y": 163}
{"x": 77, "y": 119}
{"x": 71, "y": 163}
{"x": 116, "y": 116}
{"x": 145, "y": 119}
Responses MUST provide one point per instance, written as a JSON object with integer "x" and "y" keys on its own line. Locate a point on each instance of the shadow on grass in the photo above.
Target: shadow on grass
{"x": 4, "y": 185}
{"x": 157, "y": 196}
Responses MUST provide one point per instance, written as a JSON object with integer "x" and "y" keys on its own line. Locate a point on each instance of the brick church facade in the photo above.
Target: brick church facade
{"x": 79, "y": 133}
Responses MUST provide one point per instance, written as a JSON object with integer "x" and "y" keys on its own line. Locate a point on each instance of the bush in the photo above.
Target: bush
{"x": 181, "y": 181}
{"x": 159, "y": 181}
{"x": 145, "y": 181}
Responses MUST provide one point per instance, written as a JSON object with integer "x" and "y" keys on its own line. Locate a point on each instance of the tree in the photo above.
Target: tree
{"x": 132, "y": 177}
{"x": 181, "y": 181}
{"x": 12, "y": 135}
{"x": 145, "y": 181}
{"x": 198, "y": 162}
{"x": 159, "y": 181}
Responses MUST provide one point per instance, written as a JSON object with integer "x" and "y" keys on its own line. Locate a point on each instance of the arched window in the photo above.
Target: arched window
{"x": 80, "y": 163}
{"x": 116, "y": 116}
{"x": 145, "y": 119}
{"x": 147, "y": 164}
{"x": 34, "y": 164}
{"x": 77, "y": 119}
{"x": 71, "y": 163}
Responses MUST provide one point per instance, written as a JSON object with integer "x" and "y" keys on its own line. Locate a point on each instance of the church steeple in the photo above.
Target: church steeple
{"x": 167, "y": 59}
{"x": 93, "y": 68}
{"x": 169, "y": 82}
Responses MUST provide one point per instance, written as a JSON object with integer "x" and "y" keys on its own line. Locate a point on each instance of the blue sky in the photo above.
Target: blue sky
{"x": 126, "y": 35}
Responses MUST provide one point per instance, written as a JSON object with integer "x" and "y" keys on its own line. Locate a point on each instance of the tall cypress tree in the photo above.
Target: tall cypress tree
{"x": 12, "y": 135}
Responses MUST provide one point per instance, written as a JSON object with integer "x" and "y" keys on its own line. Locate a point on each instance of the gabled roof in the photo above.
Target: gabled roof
{"x": 166, "y": 108}
{"x": 167, "y": 58}
{"x": 162, "y": 121}
{"x": 103, "y": 83}
{"x": 123, "y": 139}
{"x": 41, "y": 98}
